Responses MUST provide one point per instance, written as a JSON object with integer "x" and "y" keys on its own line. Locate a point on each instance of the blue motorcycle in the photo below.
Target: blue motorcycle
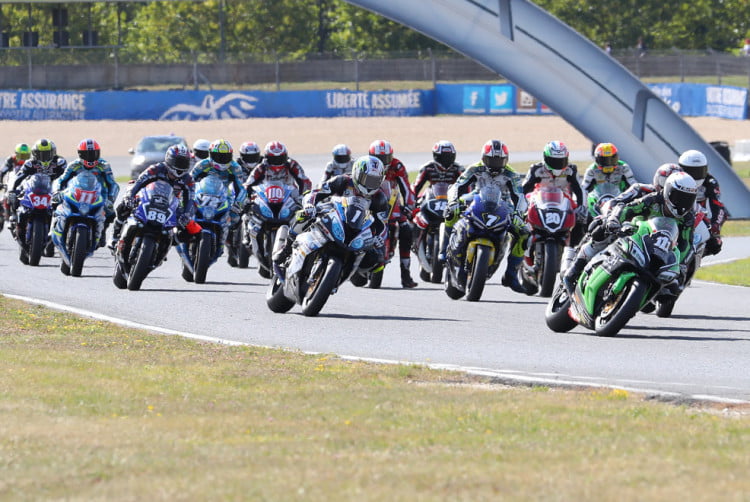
{"x": 34, "y": 216}
{"x": 325, "y": 255}
{"x": 146, "y": 236}
{"x": 79, "y": 219}
{"x": 477, "y": 244}
{"x": 213, "y": 202}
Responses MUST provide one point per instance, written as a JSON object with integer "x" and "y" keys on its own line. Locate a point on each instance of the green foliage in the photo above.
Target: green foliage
{"x": 167, "y": 32}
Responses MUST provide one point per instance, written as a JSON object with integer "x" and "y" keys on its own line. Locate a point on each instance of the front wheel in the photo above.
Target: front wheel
{"x": 202, "y": 258}
{"x": 551, "y": 268}
{"x": 38, "y": 239}
{"x": 321, "y": 287}
{"x": 118, "y": 278}
{"x": 617, "y": 311}
{"x": 556, "y": 313}
{"x": 665, "y": 307}
{"x": 437, "y": 266}
{"x": 479, "y": 272}
{"x": 143, "y": 262}
{"x": 376, "y": 280}
{"x": 79, "y": 251}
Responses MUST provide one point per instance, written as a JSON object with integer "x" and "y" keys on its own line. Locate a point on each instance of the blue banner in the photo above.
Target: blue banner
{"x": 445, "y": 99}
{"x": 206, "y": 105}
{"x": 699, "y": 100}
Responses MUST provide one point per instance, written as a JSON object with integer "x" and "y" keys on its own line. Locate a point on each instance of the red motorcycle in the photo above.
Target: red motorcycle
{"x": 551, "y": 217}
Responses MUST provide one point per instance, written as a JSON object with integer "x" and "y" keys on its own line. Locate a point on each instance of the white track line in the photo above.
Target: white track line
{"x": 504, "y": 376}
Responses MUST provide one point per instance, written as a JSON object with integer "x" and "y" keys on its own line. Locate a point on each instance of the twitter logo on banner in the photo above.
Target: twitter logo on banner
{"x": 475, "y": 99}
{"x": 501, "y": 100}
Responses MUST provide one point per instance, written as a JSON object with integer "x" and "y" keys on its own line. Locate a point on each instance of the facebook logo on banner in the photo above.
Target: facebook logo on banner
{"x": 501, "y": 99}
{"x": 475, "y": 99}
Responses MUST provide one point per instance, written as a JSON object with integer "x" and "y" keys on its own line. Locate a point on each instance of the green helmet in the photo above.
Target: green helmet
{"x": 556, "y": 157}
{"x": 23, "y": 152}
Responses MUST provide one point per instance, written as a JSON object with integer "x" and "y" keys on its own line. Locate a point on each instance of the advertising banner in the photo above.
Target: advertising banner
{"x": 698, "y": 100}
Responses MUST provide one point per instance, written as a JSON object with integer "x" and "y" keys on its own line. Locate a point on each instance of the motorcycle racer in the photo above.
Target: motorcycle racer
{"x": 14, "y": 162}
{"x": 492, "y": 169}
{"x": 340, "y": 164}
{"x": 608, "y": 168}
{"x": 221, "y": 164}
{"x": 397, "y": 177}
{"x": 276, "y": 165}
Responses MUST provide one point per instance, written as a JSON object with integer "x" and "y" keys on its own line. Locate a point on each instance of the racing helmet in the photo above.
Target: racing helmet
{"x": 663, "y": 172}
{"x": 221, "y": 152}
{"x": 367, "y": 174}
{"x": 200, "y": 148}
{"x": 276, "y": 155}
{"x": 695, "y": 164}
{"x": 250, "y": 152}
{"x": 680, "y": 191}
{"x": 383, "y": 150}
{"x": 342, "y": 155}
{"x": 43, "y": 151}
{"x": 495, "y": 155}
{"x": 89, "y": 153}
{"x": 177, "y": 160}
{"x": 556, "y": 157}
{"x": 23, "y": 152}
{"x": 606, "y": 157}
{"x": 444, "y": 154}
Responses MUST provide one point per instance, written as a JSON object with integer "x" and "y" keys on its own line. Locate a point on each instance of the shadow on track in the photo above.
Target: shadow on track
{"x": 382, "y": 318}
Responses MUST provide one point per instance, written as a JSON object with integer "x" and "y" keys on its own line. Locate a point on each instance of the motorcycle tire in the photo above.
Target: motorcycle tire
{"x": 79, "y": 251}
{"x": 320, "y": 288}
{"x": 625, "y": 306}
{"x": 453, "y": 292}
{"x": 187, "y": 274}
{"x": 665, "y": 308}
{"x": 437, "y": 266}
{"x": 118, "y": 278}
{"x": 358, "y": 279}
{"x": 376, "y": 280}
{"x": 275, "y": 299}
{"x": 556, "y": 314}
{"x": 38, "y": 239}
{"x": 551, "y": 268}
{"x": 49, "y": 249}
{"x": 202, "y": 258}
{"x": 425, "y": 275}
{"x": 143, "y": 260}
{"x": 64, "y": 267}
{"x": 243, "y": 256}
{"x": 479, "y": 271}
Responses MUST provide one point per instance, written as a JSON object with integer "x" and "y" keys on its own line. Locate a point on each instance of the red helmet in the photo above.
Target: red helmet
{"x": 89, "y": 152}
{"x": 383, "y": 150}
{"x": 276, "y": 155}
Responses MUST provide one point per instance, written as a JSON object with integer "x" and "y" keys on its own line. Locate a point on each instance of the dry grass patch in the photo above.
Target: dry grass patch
{"x": 94, "y": 411}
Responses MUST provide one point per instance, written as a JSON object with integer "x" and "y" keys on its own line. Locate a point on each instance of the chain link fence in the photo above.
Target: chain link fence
{"x": 111, "y": 67}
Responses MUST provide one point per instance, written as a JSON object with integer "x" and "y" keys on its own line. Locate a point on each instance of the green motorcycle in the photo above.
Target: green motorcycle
{"x": 620, "y": 280}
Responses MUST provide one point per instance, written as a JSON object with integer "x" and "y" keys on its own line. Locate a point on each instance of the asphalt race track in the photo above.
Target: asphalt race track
{"x": 703, "y": 350}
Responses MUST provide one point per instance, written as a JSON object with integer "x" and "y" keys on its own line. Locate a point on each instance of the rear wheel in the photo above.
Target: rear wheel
{"x": 452, "y": 292}
{"x": 275, "y": 298}
{"x": 142, "y": 266}
{"x": 665, "y": 307}
{"x": 118, "y": 278}
{"x": 320, "y": 289}
{"x": 79, "y": 251}
{"x": 556, "y": 314}
{"x": 38, "y": 238}
{"x": 376, "y": 280}
{"x": 617, "y": 311}
{"x": 202, "y": 258}
{"x": 478, "y": 277}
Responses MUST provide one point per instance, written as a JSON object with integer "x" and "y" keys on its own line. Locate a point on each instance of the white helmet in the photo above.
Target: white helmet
{"x": 200, "y": 148}
{"x": 663, "y": 172}
{"x": 367, "y": 174}
{"x": 342, "y": 155}
{"x": 695, "y": 164}
{"x": 680, "y": 191}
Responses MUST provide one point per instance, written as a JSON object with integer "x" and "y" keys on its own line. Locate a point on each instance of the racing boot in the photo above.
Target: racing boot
{"x": 445, "y": 237}
{"x": 510, "y": 278}
{"x": 116, "y": 230}
{"x": 572, "y": 273}
{"x": 406, "y": 280}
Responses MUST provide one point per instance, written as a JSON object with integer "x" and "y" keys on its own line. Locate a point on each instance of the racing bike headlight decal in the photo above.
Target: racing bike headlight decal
{"x": 284, "y": 213}
{"x": 666, "y": 276}
{"x": 357, "y": 243}
{"x": 84, "y": 208}
{"x": 208, "y": 213}
{"x": 266, "y": 211}
{"x": 338, "y": 230}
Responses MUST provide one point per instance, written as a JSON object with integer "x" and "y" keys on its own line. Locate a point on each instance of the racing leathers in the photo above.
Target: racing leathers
{"x": 231, "y": 175}
{"x": 603, "y": 230}
{"x": 432, "y": 172}
{"x": 54, "y": 168}
{"x": 708, "y": 198}
{"x": 110, "y": 188}
{"x": 342, "y": 185}
{"x": 473, "y": 179}
{"x": 403, "y": 206}
{"x": 184, "y": 189}
{"x": 11, "y": 164}
{"x": 621, "y": 176}
{"x": 291, "y": 173}
{"x": 336, "y": 169}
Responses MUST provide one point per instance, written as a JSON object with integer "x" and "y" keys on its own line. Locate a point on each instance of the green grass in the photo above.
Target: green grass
{"x": 736, "y": 273}
{"x": 94, "y": 411}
